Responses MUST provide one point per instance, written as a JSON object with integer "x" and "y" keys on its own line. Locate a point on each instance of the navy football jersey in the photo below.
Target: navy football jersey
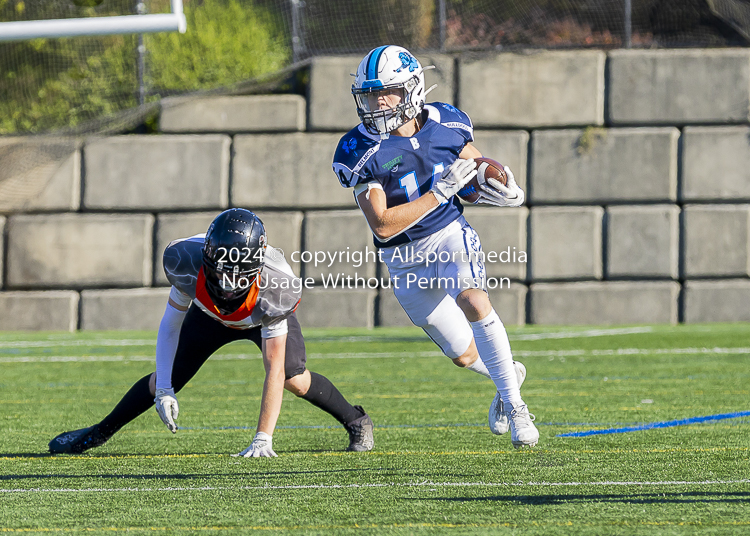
{"x": 407, "y": 168}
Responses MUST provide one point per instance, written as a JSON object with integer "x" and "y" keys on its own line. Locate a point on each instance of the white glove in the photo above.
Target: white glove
{"x": 261, "y": 447}
{"x": 167, "y": 408}
{"x": 498, "y": 195}
{"x": 460, "y": 172}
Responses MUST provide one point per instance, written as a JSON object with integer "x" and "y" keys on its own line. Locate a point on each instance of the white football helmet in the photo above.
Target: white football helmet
{"x": 383, "y": 71}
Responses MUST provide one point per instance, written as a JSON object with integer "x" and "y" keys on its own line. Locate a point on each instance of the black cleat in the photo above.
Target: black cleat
{"x": 360, "y": 433}
{"x": 77, "y": 441}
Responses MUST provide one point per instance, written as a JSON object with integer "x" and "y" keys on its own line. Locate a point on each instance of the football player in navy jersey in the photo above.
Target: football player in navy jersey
{"x": 227, "y": 285}
{"x": 405, "y": 162}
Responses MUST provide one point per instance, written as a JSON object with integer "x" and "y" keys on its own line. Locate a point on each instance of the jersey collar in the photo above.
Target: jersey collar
{"x": 245, "y": 310}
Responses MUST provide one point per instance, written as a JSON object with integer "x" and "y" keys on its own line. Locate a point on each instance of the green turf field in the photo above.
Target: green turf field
{"x": 436, "y": 468}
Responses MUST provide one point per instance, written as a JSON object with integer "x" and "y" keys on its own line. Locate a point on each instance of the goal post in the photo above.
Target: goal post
{"x": 113, "y": 25}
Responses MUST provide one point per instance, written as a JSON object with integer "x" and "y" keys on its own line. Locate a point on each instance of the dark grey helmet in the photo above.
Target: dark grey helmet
{"x": 233, "y": 256}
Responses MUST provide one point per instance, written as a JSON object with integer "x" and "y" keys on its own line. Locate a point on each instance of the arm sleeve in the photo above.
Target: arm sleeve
{"x": 366, "y": 187}
{"x": 179, "y": 297}
{"x": 277, "y": 328}
{"x": 166, "y": 345}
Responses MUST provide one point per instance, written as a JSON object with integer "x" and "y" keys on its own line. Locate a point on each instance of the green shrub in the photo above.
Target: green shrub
{"x": 50, "y": 84}
{"x": 226, "y": 42}
{"x": 78, "y": 87}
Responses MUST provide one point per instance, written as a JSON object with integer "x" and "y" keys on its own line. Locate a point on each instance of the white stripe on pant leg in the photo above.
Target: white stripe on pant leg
{"x": 468, "y": 252}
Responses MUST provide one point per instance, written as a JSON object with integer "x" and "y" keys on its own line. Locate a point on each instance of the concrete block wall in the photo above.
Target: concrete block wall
{"x": 538, "y": 89}
{"x": 152, "y": 173}
{"x": 79, "y": 250}
{"x": 139, "y": 308}
{"x": 642, "y": 241}
{"x": 604, "y": 302}
{"x": 716, "y": 240}
{"x": 40, "y": 174}
{"x": 603, "y": 166}
{"x": 261, "y": 113}
{"x": 636, "y": 166}
{"x": 566, "y": 243}
{"x": 679, "y": 87}
{"x": 54, "y": 310}
{"x": 716, "y": 166}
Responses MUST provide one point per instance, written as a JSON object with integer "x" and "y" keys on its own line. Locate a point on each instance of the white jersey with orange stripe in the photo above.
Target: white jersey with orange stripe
{"x": 278, "y": 293}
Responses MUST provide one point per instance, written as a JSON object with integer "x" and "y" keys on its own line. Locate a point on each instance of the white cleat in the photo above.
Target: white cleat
{"x": 497, "y": 417}
{"x": 523, "y": 433}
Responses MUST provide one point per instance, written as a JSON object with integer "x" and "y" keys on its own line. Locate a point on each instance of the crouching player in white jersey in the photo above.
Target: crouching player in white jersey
{"x": 405, "y": 162}
{"x": 240, "y": 289}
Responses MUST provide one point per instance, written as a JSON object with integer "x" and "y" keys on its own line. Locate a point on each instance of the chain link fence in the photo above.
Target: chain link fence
{"x": 112, "y": 83}
{"x": 339, "y": 26}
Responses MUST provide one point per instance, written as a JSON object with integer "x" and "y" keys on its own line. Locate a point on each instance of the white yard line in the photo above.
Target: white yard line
{"x": 580, "y": 334}
{"x": 631, "y": 351}
{"x": 73, "y": 358}
{"x": 388, "y": 485}
{"x": 391, "y": 355}
{"x": 567, "y": 334}
{"x": 78, "y": 342}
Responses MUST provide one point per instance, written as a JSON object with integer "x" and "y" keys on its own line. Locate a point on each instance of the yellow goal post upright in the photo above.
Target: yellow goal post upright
{"x": 111, "y": 25}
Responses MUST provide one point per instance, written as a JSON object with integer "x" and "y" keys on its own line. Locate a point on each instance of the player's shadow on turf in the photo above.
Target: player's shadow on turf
{"x": 311, "y": 451}
{"x": 180, "y": 476}
{"x": 319, "y": 472}
{"x": 26, "y": 455}
{"x": 637, "y": 498}
{"x": 103, "y": 456}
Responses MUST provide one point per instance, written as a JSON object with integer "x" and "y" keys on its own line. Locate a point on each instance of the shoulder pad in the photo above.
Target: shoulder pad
{"x": 354, "y": 149}
{"x": 451, "y": 117}
{"x": 275, "y": 257}
{"x": 280, "y": 291}
{"x": 182, "y": 261}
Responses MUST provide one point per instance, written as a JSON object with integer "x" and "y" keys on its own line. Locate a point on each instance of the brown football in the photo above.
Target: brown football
{"x": 487, "y": 168}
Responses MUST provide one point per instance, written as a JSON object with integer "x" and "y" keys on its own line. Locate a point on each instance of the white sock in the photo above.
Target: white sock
{"x": 494, "y": 349}
{"x": 479, "y": 367}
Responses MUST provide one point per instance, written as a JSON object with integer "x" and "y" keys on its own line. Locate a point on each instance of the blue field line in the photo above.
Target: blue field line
{"x": 633, "y": 428}
{"x": 662, "y": 424}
